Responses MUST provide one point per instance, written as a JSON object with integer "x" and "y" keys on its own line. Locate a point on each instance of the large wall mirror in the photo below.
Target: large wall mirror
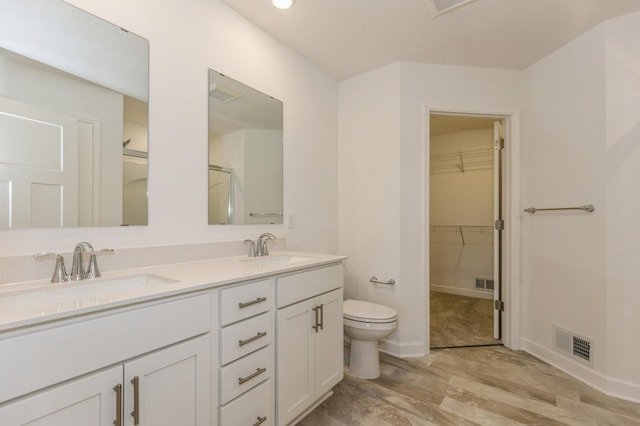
{"x": 245, "y": 154}
{"x": 73, "y": 118}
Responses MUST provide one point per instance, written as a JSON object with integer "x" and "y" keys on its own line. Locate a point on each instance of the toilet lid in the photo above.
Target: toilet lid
{"x": 359, "y": 310}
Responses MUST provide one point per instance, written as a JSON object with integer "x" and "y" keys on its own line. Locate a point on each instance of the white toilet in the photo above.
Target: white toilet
{"x": 365, "y": 323}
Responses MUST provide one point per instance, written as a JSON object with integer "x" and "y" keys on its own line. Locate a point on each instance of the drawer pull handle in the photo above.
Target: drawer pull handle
{"x": 260, "y": 421}
{"x": 259, "y": 371}
{"x": 251, "y": 339}
{"x": 253, "y": 302}
{"x": 316, "y": 324}
{"x": 118, "y": 420}
{"x": 321, "y": 325}
{"x": 136, "y": 401}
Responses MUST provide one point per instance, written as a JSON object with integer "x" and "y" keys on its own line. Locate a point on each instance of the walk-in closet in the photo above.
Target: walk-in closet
{"x": 462, "y": 204}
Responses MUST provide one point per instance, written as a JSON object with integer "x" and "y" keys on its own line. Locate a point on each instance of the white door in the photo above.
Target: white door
{"x": 90, "y": 401}
{"x": 38, "y": 167}
{"x": 497, "y": 233}
{"x": 296, "y": 360}
{"x": 329, "y": 342}
{"x": 169, "y": 387}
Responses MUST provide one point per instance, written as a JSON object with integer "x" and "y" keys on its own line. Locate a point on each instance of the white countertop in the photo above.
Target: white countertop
{"x": 31, "y": 303}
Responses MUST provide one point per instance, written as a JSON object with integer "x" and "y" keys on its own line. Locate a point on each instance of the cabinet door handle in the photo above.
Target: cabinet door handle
{"x": 260, "y": 421}
{"x": 253, "y": 302}
{"x": 251, "y": 339}
{"x": 258, "y": 372}
{"x": 118, "y": 420}
{"x": 136, "y": 400}
{"x": 316, "y": 325}
{"x": 321, "y": 325}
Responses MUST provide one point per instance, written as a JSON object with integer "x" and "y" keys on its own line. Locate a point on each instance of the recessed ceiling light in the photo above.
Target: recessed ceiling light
{"x": 282, "y": 4}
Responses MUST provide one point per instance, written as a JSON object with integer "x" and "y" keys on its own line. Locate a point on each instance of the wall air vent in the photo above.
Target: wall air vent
{"x": 224, "y": 94}
{"x": 438, "y": 7}
{"x": 484, "y": 284}
{"x": 573, "y": 345}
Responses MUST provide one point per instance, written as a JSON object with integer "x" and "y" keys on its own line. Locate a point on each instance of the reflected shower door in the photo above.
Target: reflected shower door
{"x": 220, "y": 195}
{"x": 134, "y": 190}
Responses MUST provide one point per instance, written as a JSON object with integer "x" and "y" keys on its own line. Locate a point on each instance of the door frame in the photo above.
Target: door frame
{"x": 511, "y": 263}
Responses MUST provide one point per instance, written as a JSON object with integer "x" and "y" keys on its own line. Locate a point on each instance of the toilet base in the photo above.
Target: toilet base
{"x": 364, "y": 362}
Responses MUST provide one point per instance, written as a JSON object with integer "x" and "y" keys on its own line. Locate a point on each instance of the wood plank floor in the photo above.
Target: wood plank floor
{"x": 470, "y": 386}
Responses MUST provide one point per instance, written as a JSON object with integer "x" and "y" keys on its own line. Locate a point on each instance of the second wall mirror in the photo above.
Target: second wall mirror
{"x": 245, "y": 154}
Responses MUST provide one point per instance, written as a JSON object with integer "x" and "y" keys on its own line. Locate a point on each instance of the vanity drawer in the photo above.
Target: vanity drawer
{"x": 251, "y": 408}
{"x": 245, "y": 374}
{"x": 245, "y": 337}
{"x": 244, "y": 301}
{"x": 304, "y": 285}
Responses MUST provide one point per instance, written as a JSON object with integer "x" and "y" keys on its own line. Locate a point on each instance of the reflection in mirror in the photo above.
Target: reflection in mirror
{"x": 245, "y": 154}
{"x": 73, "y": 123}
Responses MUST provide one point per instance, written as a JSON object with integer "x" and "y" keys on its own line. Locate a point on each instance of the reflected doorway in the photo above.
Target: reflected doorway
{"x": 220, "y": 195}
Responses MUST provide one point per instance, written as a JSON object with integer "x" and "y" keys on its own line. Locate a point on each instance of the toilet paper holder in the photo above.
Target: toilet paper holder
{"x": 375, "y": 279}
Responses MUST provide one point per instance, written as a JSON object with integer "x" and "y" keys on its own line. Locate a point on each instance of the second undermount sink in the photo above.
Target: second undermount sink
{"x": 78, "y": 294}
{"x": 279, "y": 259}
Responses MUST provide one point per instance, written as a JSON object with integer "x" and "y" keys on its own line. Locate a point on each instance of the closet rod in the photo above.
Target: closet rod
{"x": 587, "y": 208}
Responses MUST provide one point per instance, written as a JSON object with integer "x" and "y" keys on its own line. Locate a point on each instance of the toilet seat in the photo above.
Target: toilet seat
{"x": 367, "y": 312}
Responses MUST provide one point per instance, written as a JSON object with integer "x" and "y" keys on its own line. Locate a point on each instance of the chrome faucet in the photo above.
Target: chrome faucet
{"x": 263, "y": 249}
{"x": 78, "y": 271}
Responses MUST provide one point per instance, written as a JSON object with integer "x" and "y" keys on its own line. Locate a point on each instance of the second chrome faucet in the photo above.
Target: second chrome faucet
{"x": 260, "y": 247}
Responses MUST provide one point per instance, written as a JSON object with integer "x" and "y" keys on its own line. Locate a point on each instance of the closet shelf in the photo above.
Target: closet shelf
{"x": 462, "y": 229}
{"x": 463, "y": 160}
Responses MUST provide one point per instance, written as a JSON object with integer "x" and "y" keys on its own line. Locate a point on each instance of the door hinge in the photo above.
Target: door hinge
{"x": 498, "y": 225}
{"x": 498, "y": 305}
{"x": 499, "y": 144}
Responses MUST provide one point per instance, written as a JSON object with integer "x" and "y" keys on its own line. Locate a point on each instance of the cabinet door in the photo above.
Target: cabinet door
{"x": 329, "y": 343}
{"x": 90, "y": 401}
{"x": 296, "y": 360}
{"x": 173, "y": 386}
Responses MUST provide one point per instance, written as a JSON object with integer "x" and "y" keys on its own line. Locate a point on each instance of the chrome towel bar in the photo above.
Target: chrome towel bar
{"x": 375, "y": 279}
{"x": 587, "y": 208}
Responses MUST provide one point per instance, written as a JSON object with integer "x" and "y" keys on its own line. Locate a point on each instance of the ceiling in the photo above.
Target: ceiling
{"x": 348, "y": 37}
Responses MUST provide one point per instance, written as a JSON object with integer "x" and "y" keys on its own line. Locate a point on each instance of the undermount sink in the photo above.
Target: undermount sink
{"x": 278, "y": 259}
{"x": 77, "y": 294}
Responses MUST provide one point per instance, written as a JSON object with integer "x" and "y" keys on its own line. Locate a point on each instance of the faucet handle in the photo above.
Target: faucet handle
{"x": 60, "y": 272}
{"x": 252, "y": 248}
{"x": 92, "y": 270}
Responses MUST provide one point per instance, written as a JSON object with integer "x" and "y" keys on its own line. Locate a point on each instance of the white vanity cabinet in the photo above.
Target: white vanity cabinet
{"x": 146, "y": 366}
{"x": 309, "y": 340}
{"x": 246, "y": 387}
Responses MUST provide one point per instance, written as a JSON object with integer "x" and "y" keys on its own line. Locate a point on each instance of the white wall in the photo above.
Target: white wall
{"x": 622, "y": 175}
{"x": 186, "y": 39}
{"x": 383, "y": 145}
{"x": 580, "y": 145}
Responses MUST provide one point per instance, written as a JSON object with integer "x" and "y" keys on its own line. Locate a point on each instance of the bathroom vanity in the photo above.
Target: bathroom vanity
{"x": 230, "y": 341}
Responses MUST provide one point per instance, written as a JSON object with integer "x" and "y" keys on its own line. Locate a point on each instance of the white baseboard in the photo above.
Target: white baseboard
{"x": 458, "y": 291}
{"x": 610, "y": 386}
{"x": 402, "y": 350}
